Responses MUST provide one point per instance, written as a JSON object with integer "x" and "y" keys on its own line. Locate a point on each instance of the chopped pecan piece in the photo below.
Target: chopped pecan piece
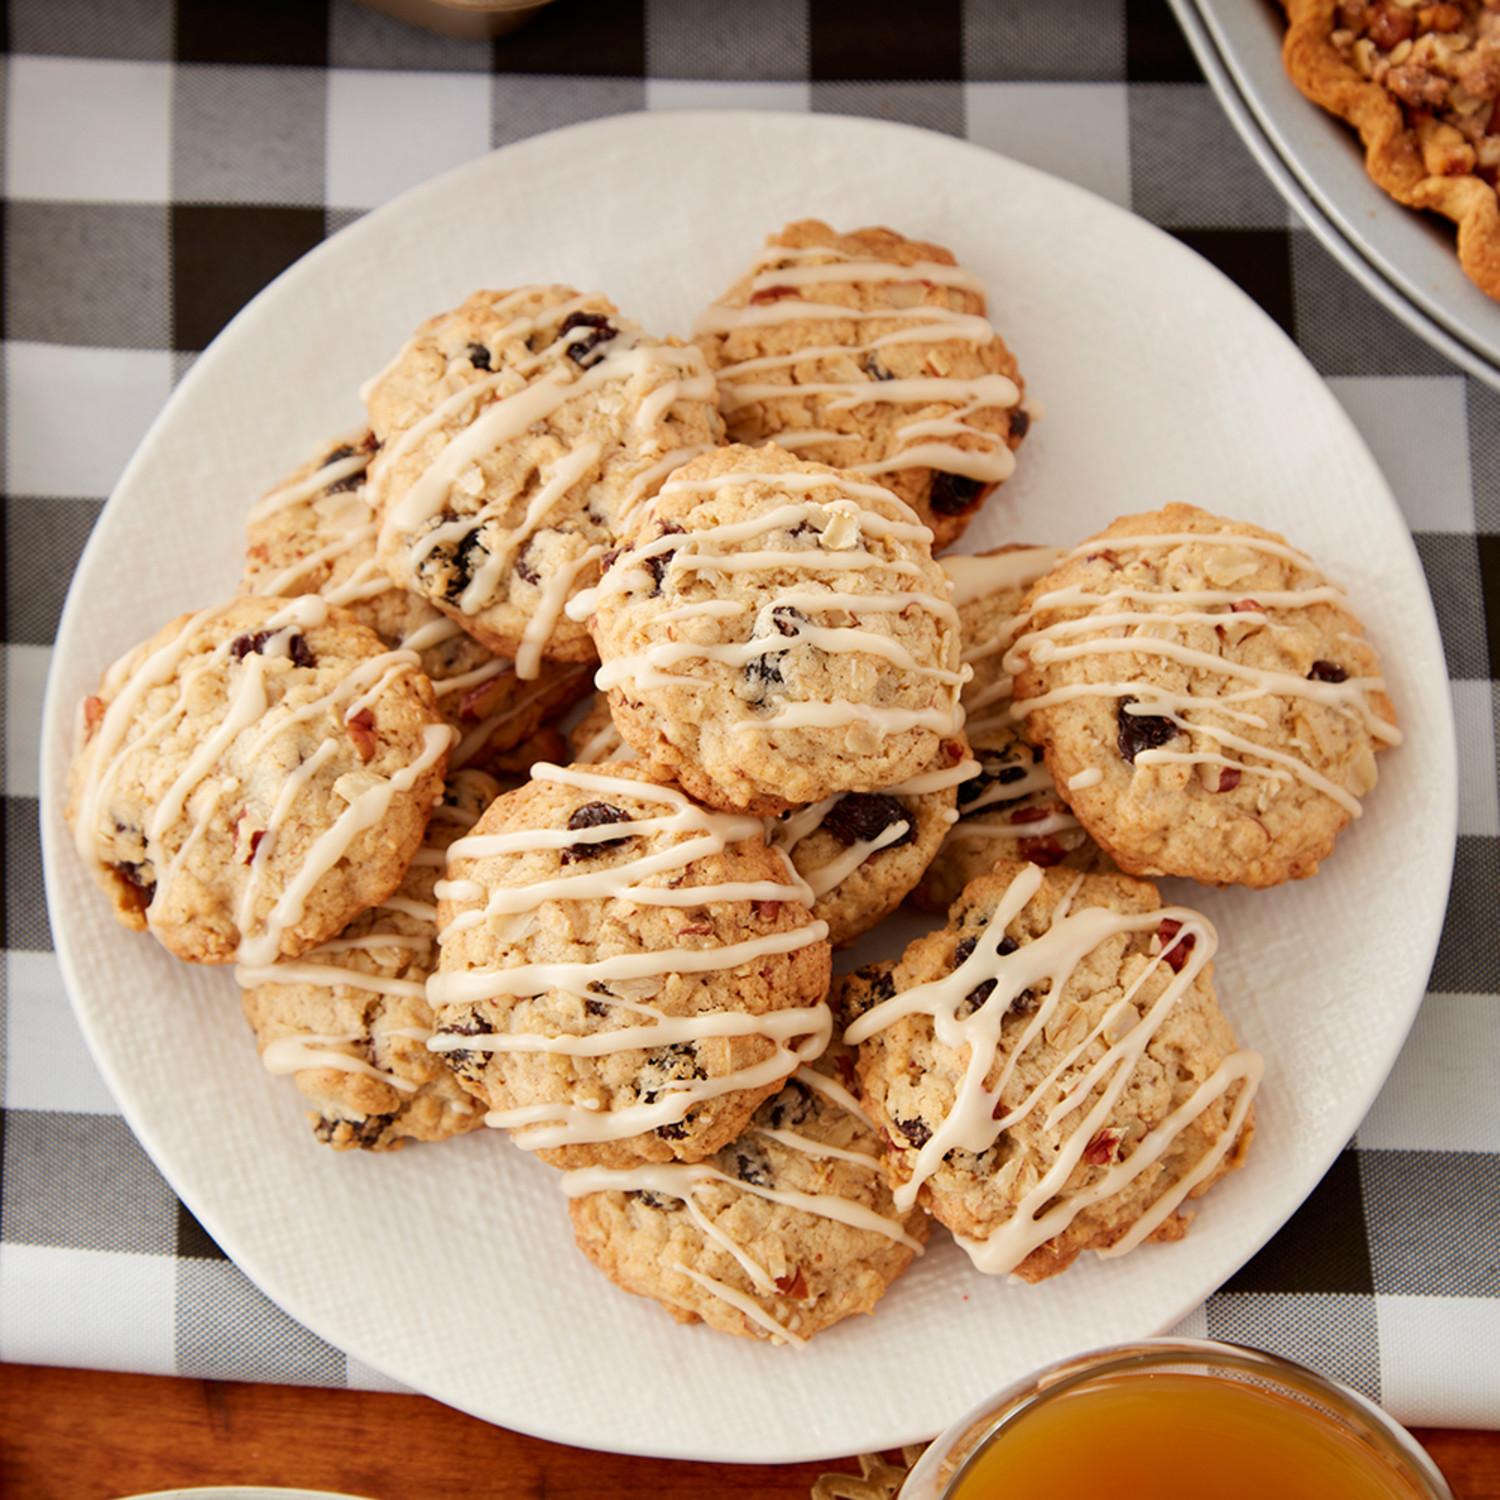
{"x": 362, "y": 732}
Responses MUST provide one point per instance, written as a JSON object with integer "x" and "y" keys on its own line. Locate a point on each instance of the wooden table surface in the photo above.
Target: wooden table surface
{"x": 86, "y": 1435}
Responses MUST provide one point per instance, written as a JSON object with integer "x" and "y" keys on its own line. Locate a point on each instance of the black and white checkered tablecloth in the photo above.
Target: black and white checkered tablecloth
{"x": 162, "y": 162}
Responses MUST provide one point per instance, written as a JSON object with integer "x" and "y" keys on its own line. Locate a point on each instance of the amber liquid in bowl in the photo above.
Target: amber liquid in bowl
{"x": 1161, "y": 1436}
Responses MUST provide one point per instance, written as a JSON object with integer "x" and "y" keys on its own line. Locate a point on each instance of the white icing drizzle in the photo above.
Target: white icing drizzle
{"x": 982, "y": 725}
{"x": 648, "y": 481}
{"x": 1054, "y": 819}
{"x": 820, "y": 1083}
{"x": 788, "y": 831}
{"x": 1035, "y": 778}
{"x": 544, "y": 618}
{"x": 312, "y": 972}
{"x": 661, "y": 1030}
{"x": 1152, "y": 632}
{"x": 345, "y": 517}
{"x": 951, "y": 443}
{"x": 302, "y": 490}
{"x": 854, "y": 269}
{"x": 644, "y": 881}
{"x": 795, "y": 481}
{"x": 248, "y": 713}
{"x": 976, "y": 577}
{"x": 746, "y": 1304}
{"x": 435, "y": 632}
{"x": 926, "y": 782}
{"x": 685, "y": 1183}
{"x": 832, "y": 875}
{"x": 1246, "y": 1068}
{"x": 604, "y": 744}
{"x": 293, "y": 1054}
{"x": 361, "y": 584}
{"x": 976, "y": 1120}
{"x": 817, "y": 1149}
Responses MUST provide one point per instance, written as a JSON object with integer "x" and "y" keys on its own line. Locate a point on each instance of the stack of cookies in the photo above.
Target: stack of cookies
{"x": 459, "y": 892}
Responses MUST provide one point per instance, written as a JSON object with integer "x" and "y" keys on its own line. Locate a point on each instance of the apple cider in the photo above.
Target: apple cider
{"x": 1173, "y": 1436}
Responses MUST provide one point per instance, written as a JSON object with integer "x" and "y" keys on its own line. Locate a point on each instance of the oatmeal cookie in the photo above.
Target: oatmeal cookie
{"x": 517, "y": 432}
{"x": 624, "y": 976}
{"x": 1052, "y": 1069}
{"x": 254, "y": 776}
{"x": 1420, "y": 84}
{"x": 315, "y": 534}
{"x": 777, "y": 1236}
{"x": 1009, "y": 807}
{"x": 871, "y": 352}
{"x": 776, "y": 633}
{"x": 349, "y": 1020}
{"x": 1206, "y": 701}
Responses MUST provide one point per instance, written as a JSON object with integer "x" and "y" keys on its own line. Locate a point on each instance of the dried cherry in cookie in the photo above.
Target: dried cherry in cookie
{"x": 862, "y": 853}
{"x": 859, "y": 817}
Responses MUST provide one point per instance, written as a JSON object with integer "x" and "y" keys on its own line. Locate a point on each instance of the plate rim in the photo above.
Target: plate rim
{"x": 54, "y": 766}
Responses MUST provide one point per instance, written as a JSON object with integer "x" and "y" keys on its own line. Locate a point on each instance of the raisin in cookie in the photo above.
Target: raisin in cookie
{"x": 349, "y": 1020}
{"x": 1009, "y": 807}
{"x": 315, "y": 534}
{"x": 1420, "y": 84}
{"x": 624, "y": 975}
{"x": 779, "y": 1235}
{"x": 517, "y": 432}
{"x": 1205, "y": 699}
{"x": 871, "y": 352}
{"x": 862, "y": 852}
{"x": 1052, "y": 1068}
{"x": 776, "y": 632}
{"x": 254, "y": 776}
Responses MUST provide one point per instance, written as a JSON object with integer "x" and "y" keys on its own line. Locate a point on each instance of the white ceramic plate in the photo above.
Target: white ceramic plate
{"x": 452, "y": 1268}
{"x": 1407, "y": 260}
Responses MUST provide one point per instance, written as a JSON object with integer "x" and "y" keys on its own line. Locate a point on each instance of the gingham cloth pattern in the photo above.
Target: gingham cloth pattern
{"x": 162, "y": 163}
